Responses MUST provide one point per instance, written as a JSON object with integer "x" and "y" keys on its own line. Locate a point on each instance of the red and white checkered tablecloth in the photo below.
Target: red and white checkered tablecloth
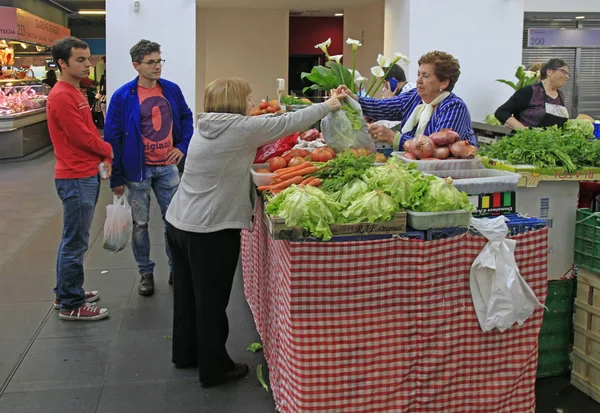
{"x": 388, "y": 325}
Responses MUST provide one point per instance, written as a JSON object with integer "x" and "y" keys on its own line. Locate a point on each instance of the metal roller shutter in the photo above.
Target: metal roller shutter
{"x": 589, "y": 83}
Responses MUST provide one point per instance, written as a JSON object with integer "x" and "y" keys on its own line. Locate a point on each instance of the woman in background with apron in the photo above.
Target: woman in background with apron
{"x": 541, "y": 104}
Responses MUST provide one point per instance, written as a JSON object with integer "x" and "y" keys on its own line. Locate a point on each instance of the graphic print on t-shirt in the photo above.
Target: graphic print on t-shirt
{"x": 156, "y": 125}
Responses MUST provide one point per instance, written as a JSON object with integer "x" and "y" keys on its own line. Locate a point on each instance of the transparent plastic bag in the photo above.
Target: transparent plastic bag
{"x": 338, "y": 132}
{"x": 118, "y": 224}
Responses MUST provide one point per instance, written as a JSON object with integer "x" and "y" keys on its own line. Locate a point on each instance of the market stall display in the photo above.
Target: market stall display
{"x": 385, "y": 325}
{"x": 23, "y": 127}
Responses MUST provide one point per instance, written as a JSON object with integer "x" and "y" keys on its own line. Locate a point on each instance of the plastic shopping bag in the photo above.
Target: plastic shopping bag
{"x": 500, "y": 294}
{"x": 118, "y": 224}
{"x": 277, "y": 148}
{"x": 339, "y": 132}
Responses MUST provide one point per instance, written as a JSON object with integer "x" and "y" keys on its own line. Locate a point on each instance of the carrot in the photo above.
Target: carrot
{"x": 282, "y": 185}
{"x": 284, "y": 171}
{"x": 307, "y": 180}
{"x": 315, "y": 182}
{"x": 299, "y": 172}
{"x": 264, "y": 187}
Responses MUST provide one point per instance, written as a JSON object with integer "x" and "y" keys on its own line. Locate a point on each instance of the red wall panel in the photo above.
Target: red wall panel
{"x": 306, "y": 32}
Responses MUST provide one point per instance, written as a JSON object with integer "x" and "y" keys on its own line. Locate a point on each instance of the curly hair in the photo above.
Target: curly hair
{"x": 446, "y": 67}
{"x": 143, "y": 48}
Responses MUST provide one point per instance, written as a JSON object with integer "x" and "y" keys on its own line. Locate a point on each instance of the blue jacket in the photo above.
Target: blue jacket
{"x": 122, "y": 129}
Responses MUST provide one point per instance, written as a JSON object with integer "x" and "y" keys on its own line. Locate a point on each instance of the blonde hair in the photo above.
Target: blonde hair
{"x": 227, "y": 95}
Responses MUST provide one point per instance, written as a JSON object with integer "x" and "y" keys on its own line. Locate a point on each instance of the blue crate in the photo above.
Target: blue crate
{"x": 413, "y": 234}
{"x": 520, "y": 225}
{"x": 435, "y": 234}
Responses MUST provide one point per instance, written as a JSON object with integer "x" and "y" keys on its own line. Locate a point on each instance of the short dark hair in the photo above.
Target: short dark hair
{"x": 143, "y": 48}
{"x": 63, "y": 49}
{"x": 445, "y": 66}
{"x": 552, "y": 64}
{"x": 397, "y": 73}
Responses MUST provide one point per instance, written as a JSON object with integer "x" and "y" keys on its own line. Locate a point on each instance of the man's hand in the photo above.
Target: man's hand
{"x": 108, "y": 168}
{"x": 118, "y": 190}
{"x": 174, "y": 156}
{"x": 382, "y": 134}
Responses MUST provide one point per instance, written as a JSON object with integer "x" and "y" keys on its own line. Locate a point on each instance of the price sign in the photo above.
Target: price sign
{"x": 563, "y": 38}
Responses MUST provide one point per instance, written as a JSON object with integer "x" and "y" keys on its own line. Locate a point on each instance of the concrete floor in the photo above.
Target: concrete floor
{"x": 121, "y": 364}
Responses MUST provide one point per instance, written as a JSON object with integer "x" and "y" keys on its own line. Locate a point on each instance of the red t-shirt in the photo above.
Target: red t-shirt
{"x": 156, "y": 124}
{"x": 78, "y": 146}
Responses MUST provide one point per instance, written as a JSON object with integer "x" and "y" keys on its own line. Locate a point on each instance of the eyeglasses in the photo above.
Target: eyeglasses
{"x": 563, "y": 71}
{"x": 154, "y": 63}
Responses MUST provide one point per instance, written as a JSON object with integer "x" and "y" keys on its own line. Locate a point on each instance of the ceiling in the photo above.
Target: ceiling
{"x": 73, "y": 6}
{"x": 312, "y": 5}
{"x": 560, "y": 16}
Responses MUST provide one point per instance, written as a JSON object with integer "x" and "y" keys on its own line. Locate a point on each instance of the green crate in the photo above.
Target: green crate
{"x": 587, "y": 239}
{"x": 555, "y": 334}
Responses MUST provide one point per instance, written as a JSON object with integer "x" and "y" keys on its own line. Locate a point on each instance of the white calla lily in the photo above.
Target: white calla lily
{"x": 354, "y": 43}
{"x": 377, "y": 71}
{"x": 529, "y": 74}
{"x": 361, "y": 79}
{"x": 383, "y": 61}
{"x": 336, "y": 58}
{"x": 323, "y": 46}
{"x": 402, "y": 57}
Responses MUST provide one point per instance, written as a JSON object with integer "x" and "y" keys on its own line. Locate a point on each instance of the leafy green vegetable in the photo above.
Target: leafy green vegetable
{"x": 491, "y": 120}
{"x": 261, "y": 379}
{"x": 580, "y": 126}
{"x": 350, "y": 192}
{"x": 255, "y": 347}
{"x": 354, "y": 116}
{"x": 306, "y": 206}
{"x": 292, "y": 100}
{"x": 327, "y": 77}
{"x": 432, "y": 194}
{"x": 343, "y": 169}
{"x": 371, "y": 207}
{"x": 547, "y": 148}
{"x": 394, "y": 178}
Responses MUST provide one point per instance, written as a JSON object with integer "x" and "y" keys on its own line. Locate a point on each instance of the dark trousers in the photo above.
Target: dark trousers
{"x": 203, "y": 269}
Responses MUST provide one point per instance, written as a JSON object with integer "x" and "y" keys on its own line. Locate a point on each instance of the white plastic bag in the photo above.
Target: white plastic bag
{"x": 500, "y": 295}
{"x": 118, "y": 224}
{"x": 338, "y": 132}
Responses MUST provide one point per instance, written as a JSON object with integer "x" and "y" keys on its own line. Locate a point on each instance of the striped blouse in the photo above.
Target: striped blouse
{"x": 451, "y": 113}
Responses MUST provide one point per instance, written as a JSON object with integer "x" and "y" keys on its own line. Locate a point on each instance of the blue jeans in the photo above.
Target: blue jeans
{"x": 79, "y": 198}
{"x": 164, "y": 180}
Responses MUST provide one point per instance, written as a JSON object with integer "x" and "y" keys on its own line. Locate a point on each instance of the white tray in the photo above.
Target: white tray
{"x": 423, "y": 221}
{"x": 481, "y": 181}
{"x": 443, "y": 164}
{"x": 260, "y": 179}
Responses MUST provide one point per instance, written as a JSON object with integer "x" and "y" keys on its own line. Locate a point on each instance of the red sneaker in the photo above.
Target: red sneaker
{"x": 84, "y": 313}
{"x": 90, "y": 297}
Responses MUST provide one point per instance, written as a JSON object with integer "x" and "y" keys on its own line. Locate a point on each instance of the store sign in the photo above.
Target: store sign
{"x": 17, "y": 24}
{"x": 563, "y": 38}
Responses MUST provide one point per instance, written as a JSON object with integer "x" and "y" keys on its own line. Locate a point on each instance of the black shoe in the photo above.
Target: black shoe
{"x": 239, "y": 370}
{"x": 170, "y": 278}
{"x": 146, "y": 286}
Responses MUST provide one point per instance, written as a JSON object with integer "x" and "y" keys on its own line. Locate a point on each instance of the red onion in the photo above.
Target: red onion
{"x": 462, "y": 150}
{"x": 441, "y": 152}
{"x": 423, "y": 147}
{"x": 444, "y": 137}
{"x": 407, "y": 147}
{"x": 409, "y": 155}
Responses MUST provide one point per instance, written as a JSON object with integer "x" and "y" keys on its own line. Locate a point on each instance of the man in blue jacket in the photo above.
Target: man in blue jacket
{"x": 149, "y": 126}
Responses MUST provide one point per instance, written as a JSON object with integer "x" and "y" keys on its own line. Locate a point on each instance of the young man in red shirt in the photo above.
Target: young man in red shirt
{"x": 79, "y": 150}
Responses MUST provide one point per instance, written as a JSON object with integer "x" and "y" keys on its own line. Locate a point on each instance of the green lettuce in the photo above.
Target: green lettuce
{"x": 581, "y": 126}
{"x": 371, "y": 207}
{"x": 350, "y": 192}
{"x": 306, "y": 206}
{"x": 432, "y": 194}
{"x": 395, "y": 179}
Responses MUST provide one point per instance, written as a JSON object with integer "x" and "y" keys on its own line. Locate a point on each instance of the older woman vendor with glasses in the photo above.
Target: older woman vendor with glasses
{"x": 429, "y": 108}
{"x": 541, "y": 104}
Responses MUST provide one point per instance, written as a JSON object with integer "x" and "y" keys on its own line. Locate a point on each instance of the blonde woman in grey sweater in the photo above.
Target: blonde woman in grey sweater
{"x": 213, "y": 204}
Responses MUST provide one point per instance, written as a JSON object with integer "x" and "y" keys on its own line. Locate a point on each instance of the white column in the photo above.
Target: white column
{"x": 172, "y": 24}
{"x": 485, "y": 36}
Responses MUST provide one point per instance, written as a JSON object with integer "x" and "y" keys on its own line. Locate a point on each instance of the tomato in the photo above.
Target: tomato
{"x": 262, "y": 171}
{"x": 322, "y": 155}
{"x": 380, "y": 158}
{"x": 295, "y": 161}
{"x": 353, "y": 152}
{"x": 363, "y": 152}
{"x": 271, "y": 109}
{"x": 263, "y": 105}
{"x": 274, "y": 102}
{"x": 276, "y": 163}
{"x": 255, "y": 112}
{"x": 277, "y": 107}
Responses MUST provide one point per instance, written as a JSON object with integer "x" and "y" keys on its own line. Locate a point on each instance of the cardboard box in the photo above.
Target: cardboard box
{"x": 279, "y": 231}
{"x": 586, "y": 347}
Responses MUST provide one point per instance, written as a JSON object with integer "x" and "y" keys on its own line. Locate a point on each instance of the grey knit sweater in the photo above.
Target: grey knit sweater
{"x": 216, "y": 189}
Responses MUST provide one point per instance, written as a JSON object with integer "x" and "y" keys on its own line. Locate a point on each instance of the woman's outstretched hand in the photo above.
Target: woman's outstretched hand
{"x": 344, "y": 90}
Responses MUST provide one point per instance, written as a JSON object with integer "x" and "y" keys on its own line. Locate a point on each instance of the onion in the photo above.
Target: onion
{"x": 444, "y": 137}
{"x": 423, "y": 147}
{"x": 407, "y": 146}
{"x": 409, "y": 155}
{"x": 441, "y": 152}
{"x": 462, "y": 150}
